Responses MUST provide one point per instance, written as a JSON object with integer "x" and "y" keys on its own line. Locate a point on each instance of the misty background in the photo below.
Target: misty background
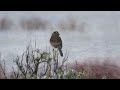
{"x": 84, "y": 33}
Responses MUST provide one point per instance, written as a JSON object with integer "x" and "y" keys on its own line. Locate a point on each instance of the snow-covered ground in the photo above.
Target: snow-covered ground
{"x": 100, "y": 39}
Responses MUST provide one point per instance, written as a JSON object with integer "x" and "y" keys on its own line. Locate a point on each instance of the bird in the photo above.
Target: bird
{"x": 56, "y": 42}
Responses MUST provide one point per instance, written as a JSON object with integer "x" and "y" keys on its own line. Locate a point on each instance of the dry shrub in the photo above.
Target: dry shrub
{"x": 38, "y": 64}
{"x": 87, "y": 70}
{"x": 3, "y": 72}
{"x": 97, "y": 70}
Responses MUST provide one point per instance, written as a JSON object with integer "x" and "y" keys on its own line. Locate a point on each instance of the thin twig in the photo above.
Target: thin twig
{"x": 3, "y": 70}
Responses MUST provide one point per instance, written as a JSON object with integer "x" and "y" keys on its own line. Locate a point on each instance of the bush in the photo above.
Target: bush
{"x": 97, "y": 70}
{"x": 38, "y": 64}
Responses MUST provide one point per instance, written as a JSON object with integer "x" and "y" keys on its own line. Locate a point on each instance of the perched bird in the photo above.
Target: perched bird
{"x": 56, "y": 42}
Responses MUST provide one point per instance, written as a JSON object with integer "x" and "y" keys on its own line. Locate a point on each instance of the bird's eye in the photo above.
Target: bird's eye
{"x": 56, "y": 32}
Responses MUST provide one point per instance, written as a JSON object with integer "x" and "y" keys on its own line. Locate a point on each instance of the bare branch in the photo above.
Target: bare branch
{"x": 3, "y": 70}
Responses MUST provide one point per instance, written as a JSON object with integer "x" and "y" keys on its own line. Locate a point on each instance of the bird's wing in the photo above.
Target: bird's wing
{"x": 56, "y": 41}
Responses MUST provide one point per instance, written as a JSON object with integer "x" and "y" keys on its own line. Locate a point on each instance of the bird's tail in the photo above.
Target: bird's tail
{"x": 61, "y": 53}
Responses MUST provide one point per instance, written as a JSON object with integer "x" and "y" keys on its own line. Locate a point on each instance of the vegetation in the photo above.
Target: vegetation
{"x": 38, "y": 64}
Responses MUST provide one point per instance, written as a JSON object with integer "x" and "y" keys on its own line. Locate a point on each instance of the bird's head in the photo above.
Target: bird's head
{"x": 56, "y": 33}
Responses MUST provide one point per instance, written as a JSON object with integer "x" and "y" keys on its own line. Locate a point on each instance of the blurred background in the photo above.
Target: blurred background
{"x": 84, "y": 33}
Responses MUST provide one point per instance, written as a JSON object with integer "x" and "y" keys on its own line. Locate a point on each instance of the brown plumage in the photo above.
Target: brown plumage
{"x": 56, "y": 41}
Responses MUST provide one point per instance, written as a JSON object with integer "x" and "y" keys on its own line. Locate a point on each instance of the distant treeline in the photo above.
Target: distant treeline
{"x": 35, "y": 23}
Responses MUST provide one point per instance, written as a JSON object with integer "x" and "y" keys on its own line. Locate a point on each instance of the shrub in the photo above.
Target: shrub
{"x": 97, "y": 70}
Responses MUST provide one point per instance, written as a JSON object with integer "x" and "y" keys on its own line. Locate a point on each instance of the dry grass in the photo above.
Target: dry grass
{"x": 97, "y": 70}
{"x": 87, "y": 70}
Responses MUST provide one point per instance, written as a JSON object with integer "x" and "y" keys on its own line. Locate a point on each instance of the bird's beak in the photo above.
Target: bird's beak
{"x": 58, "y": 34}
